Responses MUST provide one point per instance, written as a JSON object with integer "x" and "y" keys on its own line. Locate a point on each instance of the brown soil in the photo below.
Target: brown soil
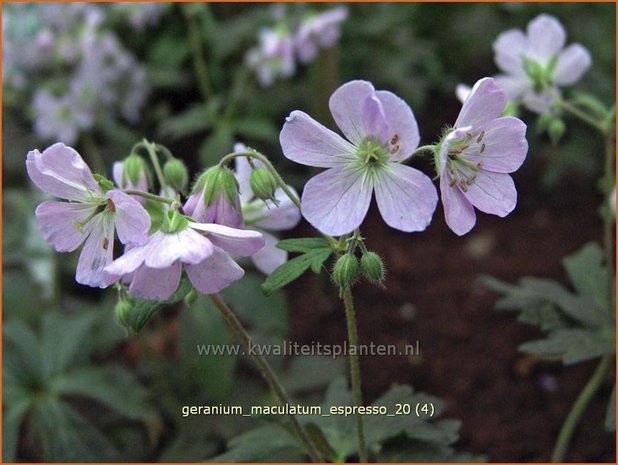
{"x": 511, "y": 405}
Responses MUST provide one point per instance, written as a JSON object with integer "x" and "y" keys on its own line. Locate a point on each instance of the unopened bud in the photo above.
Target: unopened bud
{"x": 176, "y": 174}
{"x": 556, "y": 130}
{"x": 372, "y": 267}
{"x": 133, "y": 168}
{"x": 122, "y": 312}
{"x": 346, "y": 270}
{"x": 263, "y": 183}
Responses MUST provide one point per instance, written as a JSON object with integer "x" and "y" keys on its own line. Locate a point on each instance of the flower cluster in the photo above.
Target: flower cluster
{"x": 92, "y": 211}
{"x": 472, "y": 161}
{"x": 66, "y": 63}
{"x": 282, "y": 45}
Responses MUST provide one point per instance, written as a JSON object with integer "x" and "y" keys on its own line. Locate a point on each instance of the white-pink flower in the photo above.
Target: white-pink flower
{"x": 89, "y": 215}
{"x": 201, "y": 250}
{"x": 475, "y": 157}
{"x": 536, "y": 64}
{"x": 381, "y": 132}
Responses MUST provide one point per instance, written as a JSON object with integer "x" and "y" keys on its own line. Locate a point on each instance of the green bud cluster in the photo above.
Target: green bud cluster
{"x": 134, "y": 166}
{"x": 372, "y": 267}
{"x": 122, "y": 311}
{"x": 215, "y": 180}
{"x": 345, "y": 271}
{"x": 176, "y": 174}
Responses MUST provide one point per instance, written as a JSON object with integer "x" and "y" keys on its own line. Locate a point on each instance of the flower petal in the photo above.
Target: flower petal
{"x": 127, "y": 263}
{"x": 186, "y": 246}
{"x": 98, "y": 251}
{"x": 514, "y": 87}
{"x": 546, "y": 36}
{"x": 493, "y": 193}
{"x": 282, "y": 216}
{"x": 406, "y": 197}
{"x": 573, "y": 62}
{"x": 58, "y": 223}
{"x": 132, "y": 220}
{"x": 220, "y": 211}
{"x": 215, "y": 273}
{"x": 60, "y": 171}
{"x": 403, "y": 136}
{"x": 458, "y": 211}
{"x": 336, "y": 201}
{"x": 374, "y": 119}
{"x": 155, "y": 284}
{"x": 306, "y": 141}
{"x": 347, "y": 105}
{"x": 269, "y": 257}
{"x": 504, "y": 146}
{"x": 484, "y": 104}
{"x": 508, "y": 50}
{"x": 238, "y": 242}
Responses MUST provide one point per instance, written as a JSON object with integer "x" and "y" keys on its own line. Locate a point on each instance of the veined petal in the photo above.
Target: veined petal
{"x": 347, "y": 107}
{"x": 458, "y": 211}
{"x": 306, "y": 141}
{"x": 546, "y": 36}
{"x": 155, "y": 283}
{"x": 186, "y": 246}
{"x": 269, "y": 258}
{"x": 282, "y": 216}
{"x": 59, "y": 223}
{"x": 336, "y": 201}
{"x": 406, "y": 197}
{"x": 215, "y": 273}
{"x": 508, "y": 50}
{"x": 60, "y": 171}
{"x": 374, "y": 119}
{"x": 573, "y": 62}
{"x": 493, "y": 193}
{"x": 98, "y": 251}
{"x": 239, "y": 242}
{"x": 484, "y": 104}
{"x": 128, "y": 262}
{"x": 403, "y": 137}
{"x": 132, "y": 220}
{"x": 541, "y": 103}
{"x": 503, "y": 147}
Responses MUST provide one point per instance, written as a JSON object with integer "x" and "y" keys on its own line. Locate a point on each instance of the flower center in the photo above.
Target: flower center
{"x": 372, "y": 153}
{"x": 463, "y": 172}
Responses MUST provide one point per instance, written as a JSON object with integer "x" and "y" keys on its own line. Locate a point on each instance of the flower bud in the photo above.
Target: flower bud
{"x": 556, "y": 130}
{"x": 132, "y": 169}
{"x": 215, "y": 180}
{"x": 263, "y": 183}
{"x": 122, "y": 311}
{"x": 176, "y": 174}
{"x": 372, "y": 267}
{"x": 346, "y": 270}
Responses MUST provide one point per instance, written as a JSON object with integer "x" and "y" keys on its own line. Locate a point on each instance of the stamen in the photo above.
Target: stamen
{"x": 482, "y": 148}
{"x": 480, "y": 137}
{"x": 105, "y": 243}
{"x": 395, "y": 139}
{"x": 111, "y": 205}
{"x": 394, "y": 150}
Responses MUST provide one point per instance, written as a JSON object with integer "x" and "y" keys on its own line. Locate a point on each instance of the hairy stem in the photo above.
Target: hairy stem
{"x": 582, "y": 115}
{"x": 579, "y": 407}
{"x": 266, "y": 371}
{"x": 355, "y": 370}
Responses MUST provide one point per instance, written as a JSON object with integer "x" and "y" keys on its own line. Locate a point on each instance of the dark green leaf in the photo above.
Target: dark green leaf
{"x": 257, "y": 129}
{"x": 610, "y": 416}
{"x": 196, "y": 119}
{"x": 303, "y": 244}
{"x": 588, "y": 274}
{"x": 294, "y": 268}
{"x": 572, "y": 345}
{"x": 263, "y": 444}
{"x": 12, "y": 417}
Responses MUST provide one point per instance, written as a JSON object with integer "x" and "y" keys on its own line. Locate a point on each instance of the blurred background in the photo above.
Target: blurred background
{"x": 195, "y": 78}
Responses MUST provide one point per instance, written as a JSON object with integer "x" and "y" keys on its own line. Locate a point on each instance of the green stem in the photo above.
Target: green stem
{"x": 579, "y": 407}
{"x": 355, "y": 370}
{"x": 148, "y": 195}
{"x": 197, "y": 49}
{"x": 269, "y": 166}
{"x": 423, "y": 148}
{"x": 585, "y": 117}
{"x": 266, "y": 371}
{"x": 152, "y": 153}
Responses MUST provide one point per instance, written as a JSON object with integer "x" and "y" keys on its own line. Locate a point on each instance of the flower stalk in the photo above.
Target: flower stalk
{"x": 266, "y": 371}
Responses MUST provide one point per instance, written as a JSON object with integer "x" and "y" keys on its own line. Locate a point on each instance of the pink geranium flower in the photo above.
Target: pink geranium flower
{"x": 476, "y": 155}
{"x": 381, "y": 132}
{"x": 202, "y": 250}
{"x": 90, "y": 215}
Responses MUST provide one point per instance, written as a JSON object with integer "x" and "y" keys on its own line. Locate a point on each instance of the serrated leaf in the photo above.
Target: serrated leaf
{"x": 610, "y": 416}
{"x": 588, "y": 274}
{"x": 294, "y": 268}
{"x": 303, "y": 244}
{"x": 262, "y": 444}
{"x": 12, "y": 417}
{"x": 572, "y": 345}
{"x": 23, "y": 366}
